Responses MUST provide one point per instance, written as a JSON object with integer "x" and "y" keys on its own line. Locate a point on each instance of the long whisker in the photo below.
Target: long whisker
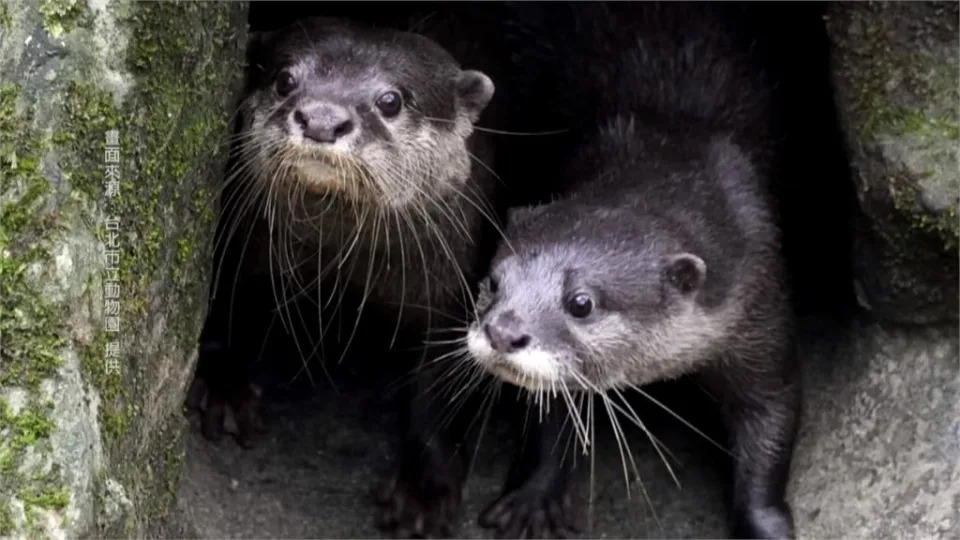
{"x": 499, "y": 131}
{"x": 633, "y": 417}
{"x": 680, "y": 418}
{"x": 593, "y": 462}
{"x": 620, "y": 436}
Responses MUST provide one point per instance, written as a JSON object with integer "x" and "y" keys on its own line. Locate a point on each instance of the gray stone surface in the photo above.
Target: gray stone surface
{"x": 877, "y": 457}
{"x": 87, "y": 448}
{"x": 879, "y": 449}
{"x": 314, "y": 477}
{"x": 895, "y": 73}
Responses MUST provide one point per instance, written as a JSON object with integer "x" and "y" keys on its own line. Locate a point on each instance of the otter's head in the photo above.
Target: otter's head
{"x": 371, "y": 116}
{"x": 591, "y": 299}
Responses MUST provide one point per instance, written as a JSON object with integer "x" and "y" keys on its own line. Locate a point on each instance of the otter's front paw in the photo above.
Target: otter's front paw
{"x": 422, "y": 501}
{"x": 533, "y": 512}
{"x": 244, "y": 408}
{"x": 765, "y": 522}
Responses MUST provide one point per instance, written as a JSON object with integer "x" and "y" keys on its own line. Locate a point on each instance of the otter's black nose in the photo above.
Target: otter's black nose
{"x": 324, "y": 124}
{"x": 504, "y": 339}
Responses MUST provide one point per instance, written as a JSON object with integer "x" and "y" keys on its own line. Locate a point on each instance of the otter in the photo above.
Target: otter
{"x": 660, "y": 256}
{"x": 356, "y": 147}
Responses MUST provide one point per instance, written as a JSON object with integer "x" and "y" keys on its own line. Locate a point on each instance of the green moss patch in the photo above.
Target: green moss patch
{"x": 114, "y": 414}
{"x": 899, "y": 88}
{"x": 30, "y": 428}
{"x": 45, "y": 492}
{"x": 5, "y": 21}
{"x": 42, "y": 492}
{"x": 6, "y": 519}
{"x": 88, "y": 114}
{"x": 62, "y": 16}
{"x": 871, "y": 61}
{"x": 941, "y": 226}
{"x": 29, "y": 350}
{"x": 32, "y": 334}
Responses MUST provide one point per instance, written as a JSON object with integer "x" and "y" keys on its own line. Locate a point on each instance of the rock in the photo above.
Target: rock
{"x": 878, "y": 453}
{"x": 90, "y": 419}
{"x": 895, "y": 73}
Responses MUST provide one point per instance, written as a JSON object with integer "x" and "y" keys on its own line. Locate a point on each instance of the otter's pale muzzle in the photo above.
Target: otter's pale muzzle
{"x": 323, "y": 123}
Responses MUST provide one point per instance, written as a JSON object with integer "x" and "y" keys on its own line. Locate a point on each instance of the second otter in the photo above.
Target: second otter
{"x": 660, "y": 259}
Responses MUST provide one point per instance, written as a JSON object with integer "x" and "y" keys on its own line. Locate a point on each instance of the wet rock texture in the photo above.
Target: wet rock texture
{"x": 895, "y": 73}
{"x": 90, "y": 427}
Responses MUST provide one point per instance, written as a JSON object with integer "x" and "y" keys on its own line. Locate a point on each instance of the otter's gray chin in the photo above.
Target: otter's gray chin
{"x": 319, "y": 176}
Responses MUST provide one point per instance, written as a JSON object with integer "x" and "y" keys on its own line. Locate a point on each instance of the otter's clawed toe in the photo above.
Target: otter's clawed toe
{"x": 419, "y": 507}
{"x": 211, "y": 419}
{"x": 532, "y": 513}
{"x": 248, "y": 417}
{"x": 773, "y": 522}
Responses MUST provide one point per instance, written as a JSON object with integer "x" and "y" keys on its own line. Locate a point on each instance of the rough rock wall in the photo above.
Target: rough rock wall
{"x": 895, "y": 72}
{"x": 103, "y": 269}
{"x": 879, "y": 443}
{"x": 878, "y": 454}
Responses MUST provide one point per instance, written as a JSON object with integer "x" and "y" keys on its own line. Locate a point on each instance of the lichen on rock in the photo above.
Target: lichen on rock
{"x": 89, "y": 447}
{"x": 895, "y": 72}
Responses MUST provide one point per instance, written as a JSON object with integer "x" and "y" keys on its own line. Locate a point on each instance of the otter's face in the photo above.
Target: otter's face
{"x": 588, "y": 312}
{"x": 371, "y": 116}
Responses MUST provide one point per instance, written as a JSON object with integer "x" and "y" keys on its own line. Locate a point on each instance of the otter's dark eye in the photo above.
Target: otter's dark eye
{"x": 580, "y": 306}
{"x": 286, "y": 83}
{"x": 389, "y": 103}
{"x": 494, "y": 286}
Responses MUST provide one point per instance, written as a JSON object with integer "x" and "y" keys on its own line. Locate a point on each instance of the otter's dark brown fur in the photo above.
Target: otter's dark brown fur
{"x": 356, "y": 155}
{"x": 661, "y": 256}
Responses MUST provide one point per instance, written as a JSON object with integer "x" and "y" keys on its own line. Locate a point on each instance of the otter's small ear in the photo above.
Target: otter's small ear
{"x": 522, "y": 214}
{"x": 255, "y": 42}
{"x": 257, "y": 50}
{"x": 474, "y": 90}
{"x": 728, "y": 161}
{"x": 516, "y": 214}
{"x": 686, "y": 272}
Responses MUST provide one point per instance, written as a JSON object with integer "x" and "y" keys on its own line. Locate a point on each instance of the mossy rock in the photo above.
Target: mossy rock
{"x": 895, "y": 72}
{"x": 90, "y": 418}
